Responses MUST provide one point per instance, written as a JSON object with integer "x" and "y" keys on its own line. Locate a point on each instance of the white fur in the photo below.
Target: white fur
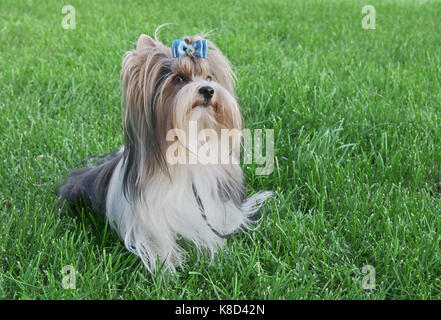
{"x": 169, "y": 210}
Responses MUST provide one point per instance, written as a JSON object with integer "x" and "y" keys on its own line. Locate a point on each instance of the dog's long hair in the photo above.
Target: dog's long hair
{"x": 150, "y": 201}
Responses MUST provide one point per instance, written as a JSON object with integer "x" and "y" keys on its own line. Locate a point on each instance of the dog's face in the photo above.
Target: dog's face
{"x": 162, "y": 93}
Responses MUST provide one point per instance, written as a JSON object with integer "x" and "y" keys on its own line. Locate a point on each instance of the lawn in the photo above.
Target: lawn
{"x": 357, "y": 130}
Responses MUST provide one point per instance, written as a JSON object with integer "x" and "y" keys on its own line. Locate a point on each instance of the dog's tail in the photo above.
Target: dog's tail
{"x": 87, "y": 187}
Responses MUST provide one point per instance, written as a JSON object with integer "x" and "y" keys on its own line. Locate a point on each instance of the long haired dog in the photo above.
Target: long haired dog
{"x": 158, "y": 188}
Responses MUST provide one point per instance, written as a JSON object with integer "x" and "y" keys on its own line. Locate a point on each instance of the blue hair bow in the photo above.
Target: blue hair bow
{"x": 181, "y": 49}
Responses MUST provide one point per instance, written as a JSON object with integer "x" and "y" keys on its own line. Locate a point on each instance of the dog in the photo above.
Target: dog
{"x": 150, "y": 195}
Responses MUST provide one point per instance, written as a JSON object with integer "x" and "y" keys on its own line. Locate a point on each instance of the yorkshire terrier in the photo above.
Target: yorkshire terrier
{"x": 156, "y": 189}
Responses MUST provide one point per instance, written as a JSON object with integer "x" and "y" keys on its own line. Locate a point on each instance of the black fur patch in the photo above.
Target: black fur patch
{"x": 234, "y": 191}
{"x": 87, "y": 187}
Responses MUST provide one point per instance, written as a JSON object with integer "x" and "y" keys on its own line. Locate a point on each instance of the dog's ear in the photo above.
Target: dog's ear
{"x": 145, "y": 41}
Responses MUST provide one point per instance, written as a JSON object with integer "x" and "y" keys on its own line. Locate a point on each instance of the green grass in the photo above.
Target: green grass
{"x": 356, "y": 115}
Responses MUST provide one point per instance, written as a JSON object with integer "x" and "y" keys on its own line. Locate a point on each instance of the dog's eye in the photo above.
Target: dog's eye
{"x": 180, "y": 79}
{"x": 208, "y": 78}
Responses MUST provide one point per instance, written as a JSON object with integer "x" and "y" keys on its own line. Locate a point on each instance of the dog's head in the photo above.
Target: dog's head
{"x": 162, "y": 93}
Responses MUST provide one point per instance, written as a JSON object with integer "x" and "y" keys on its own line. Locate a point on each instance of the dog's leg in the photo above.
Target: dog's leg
{"x": 87, "y": 187}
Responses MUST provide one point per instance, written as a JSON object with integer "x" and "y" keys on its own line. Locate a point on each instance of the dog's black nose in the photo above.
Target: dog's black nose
{"x": 207, "y": 92}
